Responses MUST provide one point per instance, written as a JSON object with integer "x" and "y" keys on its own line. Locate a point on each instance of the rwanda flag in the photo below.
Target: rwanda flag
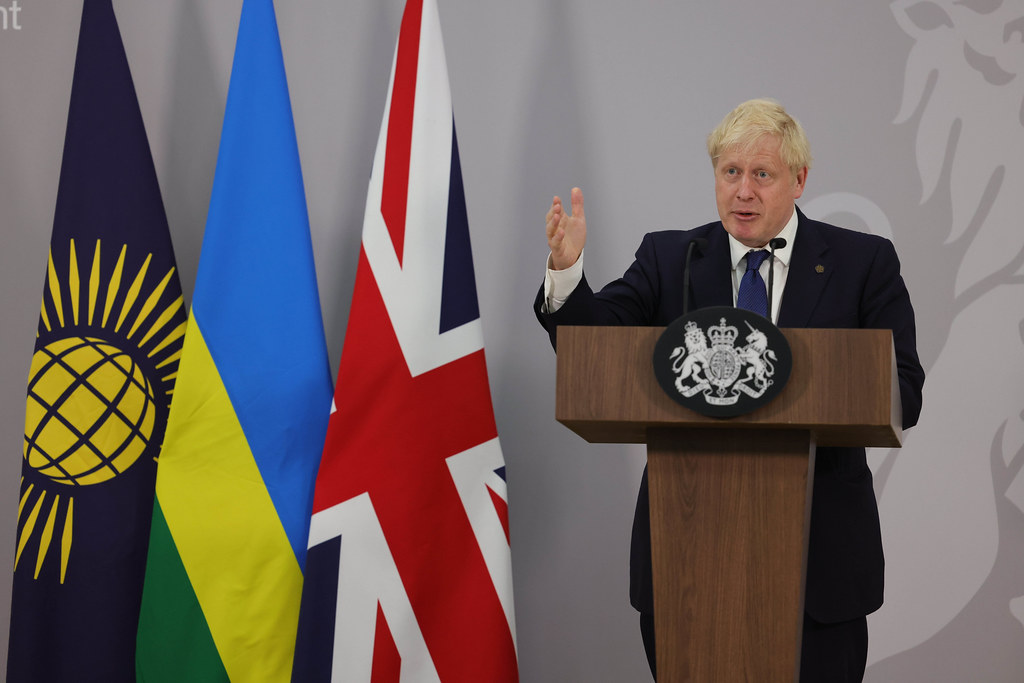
{"x": 99, "y": 387}
{"x": 235, "y": 481}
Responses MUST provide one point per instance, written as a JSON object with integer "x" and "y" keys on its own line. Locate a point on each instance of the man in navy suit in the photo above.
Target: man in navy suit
{"x": 824, "y": 277}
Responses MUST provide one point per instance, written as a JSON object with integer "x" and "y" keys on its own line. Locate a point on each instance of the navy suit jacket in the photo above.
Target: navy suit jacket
{"x": 837, "y": 278}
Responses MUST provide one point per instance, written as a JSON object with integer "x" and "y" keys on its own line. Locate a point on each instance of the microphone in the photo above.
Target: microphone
{"x": 696, "y": 243}
{"x": 775, "y": 243}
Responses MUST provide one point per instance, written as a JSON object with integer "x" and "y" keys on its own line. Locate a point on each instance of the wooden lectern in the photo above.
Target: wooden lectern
{"x": 730, "y": 498}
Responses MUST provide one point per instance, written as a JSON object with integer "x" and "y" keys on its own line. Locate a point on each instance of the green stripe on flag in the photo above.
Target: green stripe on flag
{"x": 171, "y": 621}
{"x": 224, "y": 526}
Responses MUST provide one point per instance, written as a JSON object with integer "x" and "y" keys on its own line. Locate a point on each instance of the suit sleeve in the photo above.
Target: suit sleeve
{"x": 629, "y": 300}
{"x": 886, "y": 303}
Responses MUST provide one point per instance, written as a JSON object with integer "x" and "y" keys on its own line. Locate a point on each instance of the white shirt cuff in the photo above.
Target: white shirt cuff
{"x": 559, "y": 284}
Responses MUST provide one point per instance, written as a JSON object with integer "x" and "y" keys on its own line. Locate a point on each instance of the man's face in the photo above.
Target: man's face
{"x": 755, "y": 191}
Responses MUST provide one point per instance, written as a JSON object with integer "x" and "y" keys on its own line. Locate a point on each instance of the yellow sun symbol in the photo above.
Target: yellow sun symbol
{"x": 92, "y": 407}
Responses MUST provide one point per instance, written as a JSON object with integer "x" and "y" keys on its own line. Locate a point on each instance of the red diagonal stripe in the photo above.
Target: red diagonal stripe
{"x": 395, "y": 189}
{"x": 387, "y": 663}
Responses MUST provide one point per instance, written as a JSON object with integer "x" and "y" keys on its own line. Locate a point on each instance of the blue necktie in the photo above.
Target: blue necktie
{"x": 752, "y": 295}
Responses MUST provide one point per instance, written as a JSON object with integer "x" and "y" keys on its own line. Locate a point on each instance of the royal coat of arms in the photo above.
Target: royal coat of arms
{"x": 723, "y": 365}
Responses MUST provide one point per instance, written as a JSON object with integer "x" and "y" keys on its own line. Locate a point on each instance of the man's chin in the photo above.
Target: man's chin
{"x": 749, "y": 234}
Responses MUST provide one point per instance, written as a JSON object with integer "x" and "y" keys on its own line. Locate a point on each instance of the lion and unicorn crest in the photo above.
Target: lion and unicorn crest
{"x": 715, "y": 370}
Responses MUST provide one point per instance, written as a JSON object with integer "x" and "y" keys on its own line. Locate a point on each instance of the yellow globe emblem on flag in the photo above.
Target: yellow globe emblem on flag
{"x": 90, "y": 411}
{"x": 110, "y": 336}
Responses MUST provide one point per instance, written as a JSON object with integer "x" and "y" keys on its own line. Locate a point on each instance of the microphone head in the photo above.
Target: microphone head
{"x": 777, "y": 243}
{"x": 701, "y": 243}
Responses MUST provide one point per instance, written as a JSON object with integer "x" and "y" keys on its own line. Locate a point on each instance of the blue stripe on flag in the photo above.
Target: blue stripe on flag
{"x": 256, "y": 292}
{"x": 458, "y": 289}
{"x": 314, "y": 646}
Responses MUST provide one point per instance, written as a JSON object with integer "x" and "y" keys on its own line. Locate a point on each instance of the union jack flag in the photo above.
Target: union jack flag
{"x": 408, "y": 576}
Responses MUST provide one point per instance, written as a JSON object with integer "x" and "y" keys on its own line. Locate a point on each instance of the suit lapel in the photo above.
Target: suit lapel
{"x": 809, "y": 271}
{"x": 711, "y": 272}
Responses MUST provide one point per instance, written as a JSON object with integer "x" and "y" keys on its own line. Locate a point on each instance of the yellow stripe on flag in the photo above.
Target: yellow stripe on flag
{"x": 225, "y": 527}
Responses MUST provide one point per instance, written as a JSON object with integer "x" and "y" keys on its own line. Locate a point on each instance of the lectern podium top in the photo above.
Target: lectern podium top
{"x": 844, "y": 388}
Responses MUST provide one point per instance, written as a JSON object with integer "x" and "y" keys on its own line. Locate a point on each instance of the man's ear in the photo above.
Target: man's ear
{"x": 799, "y": 182}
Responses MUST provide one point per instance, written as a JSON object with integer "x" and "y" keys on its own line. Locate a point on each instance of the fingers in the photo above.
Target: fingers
{"x": 555, "y": 210}
{"x": 566, "y": 233}
{"x": 554, "y": 218}
{"x": 577, "y": 203}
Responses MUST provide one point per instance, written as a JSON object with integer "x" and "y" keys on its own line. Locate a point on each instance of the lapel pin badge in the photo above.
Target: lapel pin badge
{"x": 819, "y": 269}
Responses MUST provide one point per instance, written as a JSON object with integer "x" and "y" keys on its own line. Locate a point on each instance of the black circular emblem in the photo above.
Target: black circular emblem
{"x": 722, "y": 361}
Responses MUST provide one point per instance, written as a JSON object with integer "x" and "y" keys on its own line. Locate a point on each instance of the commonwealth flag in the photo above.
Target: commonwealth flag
{"x": 409, "y": 575}
{"x": 235, "y": 479}
{"x": 106, "y": 355}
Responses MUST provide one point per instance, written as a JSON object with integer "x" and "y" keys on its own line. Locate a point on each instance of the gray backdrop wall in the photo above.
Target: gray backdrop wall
{"x": 914, "y": 110}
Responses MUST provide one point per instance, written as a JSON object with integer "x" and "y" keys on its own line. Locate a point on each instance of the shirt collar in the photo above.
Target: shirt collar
{"x": 738, "y": 250}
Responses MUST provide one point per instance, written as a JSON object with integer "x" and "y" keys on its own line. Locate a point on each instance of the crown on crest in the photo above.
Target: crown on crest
{"x": 692, "y": 331}
{"x": 722, "y": 334}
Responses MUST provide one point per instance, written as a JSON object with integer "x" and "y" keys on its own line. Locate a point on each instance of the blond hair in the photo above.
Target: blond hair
{"x": 745, "y": 125}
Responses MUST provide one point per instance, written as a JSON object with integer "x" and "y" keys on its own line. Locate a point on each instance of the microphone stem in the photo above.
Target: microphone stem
{"x": 686, "y": 277}
{"x": 773, "y": 244}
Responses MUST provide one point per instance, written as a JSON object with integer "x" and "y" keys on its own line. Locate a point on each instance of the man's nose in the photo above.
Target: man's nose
{"x": 745, "y": 188}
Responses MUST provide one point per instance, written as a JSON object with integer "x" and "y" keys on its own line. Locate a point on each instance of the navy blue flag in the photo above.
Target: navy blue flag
{"x": 99, "y": 387}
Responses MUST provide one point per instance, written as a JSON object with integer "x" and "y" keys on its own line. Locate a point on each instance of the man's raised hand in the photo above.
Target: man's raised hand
{"x": 566, "y": 233}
